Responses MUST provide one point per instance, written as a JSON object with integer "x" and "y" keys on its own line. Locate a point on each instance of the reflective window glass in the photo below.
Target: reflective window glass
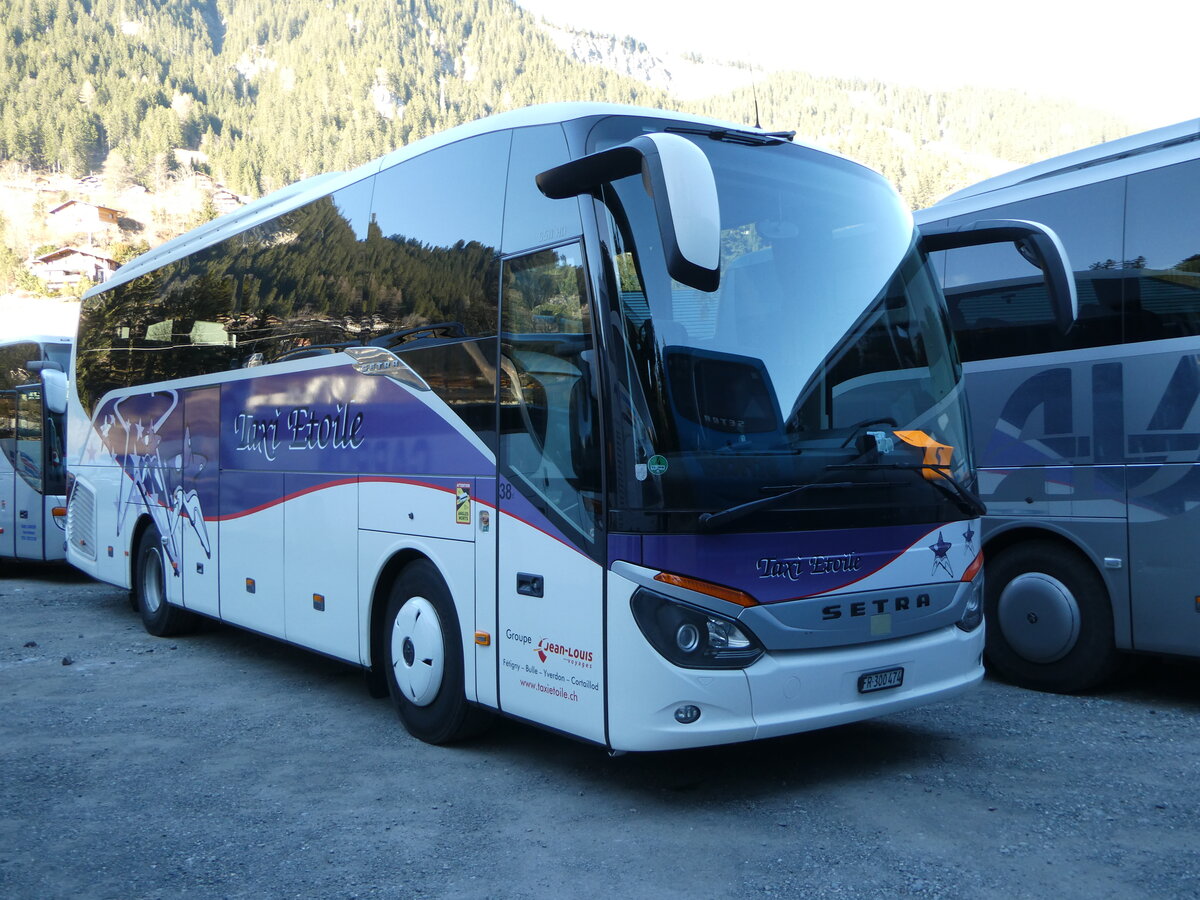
{"x": 531, "y": 219}
{"x": 29, "y": 435}
{"x": 290, "y": 286}
{"x": 432, "y": 264}
{"x": 549, "y": 425}
{"x": 8, "y": 414}
{"x": 998, "y": 301}
{"x": 1162, "y": 241}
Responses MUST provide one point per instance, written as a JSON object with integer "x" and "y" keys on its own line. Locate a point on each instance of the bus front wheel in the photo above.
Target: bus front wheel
{"x": 149, "y": 597}
{"x": 423, "y": 643}
{"x": 1050, "y": 622}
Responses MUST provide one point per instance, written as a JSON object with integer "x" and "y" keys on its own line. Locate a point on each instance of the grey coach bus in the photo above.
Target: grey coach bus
{"x": 1088, "y": 437}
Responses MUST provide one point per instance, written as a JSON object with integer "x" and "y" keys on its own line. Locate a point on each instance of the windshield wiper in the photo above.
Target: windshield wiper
{"x": 964, "y": 498}
{"x": 712, "y": 520}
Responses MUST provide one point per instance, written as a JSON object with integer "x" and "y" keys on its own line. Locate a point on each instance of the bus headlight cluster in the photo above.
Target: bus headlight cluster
{"x": 972, "y": 615}
{"x": 693, "y": 638}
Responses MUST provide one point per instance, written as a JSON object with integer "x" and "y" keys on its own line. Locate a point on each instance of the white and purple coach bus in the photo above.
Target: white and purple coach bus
{"x": 643, "y": 428}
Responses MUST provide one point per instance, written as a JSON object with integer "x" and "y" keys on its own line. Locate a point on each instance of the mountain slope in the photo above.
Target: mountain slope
{"x": 258, "y": 94}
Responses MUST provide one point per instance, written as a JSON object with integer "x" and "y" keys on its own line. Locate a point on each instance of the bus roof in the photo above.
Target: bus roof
{"x": 35, "y": 339}
{"x": 305, "y": 191}
{"x": 1122, "y": 148}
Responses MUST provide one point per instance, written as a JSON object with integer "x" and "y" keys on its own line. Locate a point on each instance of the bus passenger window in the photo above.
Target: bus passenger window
{"x": 1000, "y": 303}
{"x": 1162, "y": 247}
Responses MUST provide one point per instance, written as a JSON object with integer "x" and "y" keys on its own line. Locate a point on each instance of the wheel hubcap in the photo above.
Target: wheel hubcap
{"x": 1039, "y": 617}
{"x": 418, "y": 652}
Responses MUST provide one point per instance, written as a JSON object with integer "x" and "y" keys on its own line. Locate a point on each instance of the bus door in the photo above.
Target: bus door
{"x": 1163, "y": 478}
{"x": 28, "y": 512}
{"x": 550, "y": 584}
{"x": 8, "y": 473}
{"x": 195, "y": 500}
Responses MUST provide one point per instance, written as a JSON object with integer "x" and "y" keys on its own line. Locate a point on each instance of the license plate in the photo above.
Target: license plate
{"x": 881, "y": 681}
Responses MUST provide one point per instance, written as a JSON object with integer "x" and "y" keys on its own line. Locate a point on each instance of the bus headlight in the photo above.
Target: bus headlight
{"x": 973, "y": 612}
{"x": 693, "y": 638}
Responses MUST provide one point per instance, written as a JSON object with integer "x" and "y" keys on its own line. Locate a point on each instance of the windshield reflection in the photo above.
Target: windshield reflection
{"x": 826, "y": 344}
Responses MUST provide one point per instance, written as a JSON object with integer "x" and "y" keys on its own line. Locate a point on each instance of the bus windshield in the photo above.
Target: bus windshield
{"x": 824, "y": 361}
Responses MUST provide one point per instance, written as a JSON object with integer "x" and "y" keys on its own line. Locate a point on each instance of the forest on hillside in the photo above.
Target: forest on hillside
{"x": 259, "y": 94}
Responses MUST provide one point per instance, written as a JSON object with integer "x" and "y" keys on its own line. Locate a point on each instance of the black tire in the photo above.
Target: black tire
{"x": 422, "y": 652}
{"x": 1049, "y": 619}
{"x": 150, "y": 576}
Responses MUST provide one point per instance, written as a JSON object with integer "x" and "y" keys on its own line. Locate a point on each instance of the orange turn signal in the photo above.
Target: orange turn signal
{"x": 973, "y": 569}
{"x": 741, "y": 598}
{"x": 58, "y": 511}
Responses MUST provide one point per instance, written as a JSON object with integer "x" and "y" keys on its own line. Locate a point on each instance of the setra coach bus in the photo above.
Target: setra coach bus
{"x": 1088, "y": 439}
{"x": 643, "y": 428}
{"x": 33, "y": 398}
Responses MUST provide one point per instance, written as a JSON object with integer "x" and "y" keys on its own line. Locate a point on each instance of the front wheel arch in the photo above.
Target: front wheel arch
{"x": 437, "y": 713}
{"x": 1049, "y": 614}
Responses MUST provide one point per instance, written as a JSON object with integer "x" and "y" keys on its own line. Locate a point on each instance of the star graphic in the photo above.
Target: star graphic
{"x": 969, "y": 538}
{"x": 941, "y": 558}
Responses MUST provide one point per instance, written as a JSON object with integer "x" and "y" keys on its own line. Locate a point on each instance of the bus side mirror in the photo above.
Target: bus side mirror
{"x": 1035, "y": 242}
{"x": 680, "y": 181}
{"x": 54, "y": 390}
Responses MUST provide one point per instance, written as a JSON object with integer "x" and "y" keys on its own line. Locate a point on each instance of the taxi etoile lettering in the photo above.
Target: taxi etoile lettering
{"x": 796, "y": 567}
{"x": 299, "y": 428}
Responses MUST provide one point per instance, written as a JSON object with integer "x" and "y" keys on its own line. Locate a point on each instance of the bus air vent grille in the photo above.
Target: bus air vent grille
{"x": 81, "y": 521}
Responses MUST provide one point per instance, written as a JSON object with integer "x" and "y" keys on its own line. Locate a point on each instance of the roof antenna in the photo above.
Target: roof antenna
{"x": 754, "y": 94}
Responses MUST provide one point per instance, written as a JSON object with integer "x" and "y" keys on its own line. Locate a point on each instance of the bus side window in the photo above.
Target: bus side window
{"x": 531, "y": 219}
{"x": 293, "y": 286}
{"x": 549, "y": 425}
{"x": 1000, "y": 301}
{"x": 8, "y": 434}
{"x": 29, "y": 435}
{"x": 432, "y": 251}
{"x": 1162, "y": 246}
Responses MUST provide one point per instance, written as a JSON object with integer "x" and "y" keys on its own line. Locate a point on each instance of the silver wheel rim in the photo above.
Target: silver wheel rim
{"x": 152, "y": 580}
{"x": 418, "y": 651}
{"x": 1039, "y": 617}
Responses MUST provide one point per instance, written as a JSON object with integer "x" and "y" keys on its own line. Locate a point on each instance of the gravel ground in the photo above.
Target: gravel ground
{"x": 228, "y": 765}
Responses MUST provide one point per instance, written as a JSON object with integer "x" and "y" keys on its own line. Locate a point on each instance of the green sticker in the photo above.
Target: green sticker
{"x": 657, "y": 465}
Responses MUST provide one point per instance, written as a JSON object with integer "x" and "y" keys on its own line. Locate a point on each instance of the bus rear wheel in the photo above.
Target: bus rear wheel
{"x": 1050, "y": 622}
{"x": 149, "y": 596}
{"x": 423, "y": 643}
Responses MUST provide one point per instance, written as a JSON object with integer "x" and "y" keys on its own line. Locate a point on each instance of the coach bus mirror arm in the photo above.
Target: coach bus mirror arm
{"x": 680, "y": 181}
{"x": 54, "y": 389}
{"x": 1035, "y": 242}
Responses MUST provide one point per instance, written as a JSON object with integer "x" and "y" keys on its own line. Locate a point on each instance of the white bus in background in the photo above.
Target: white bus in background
{"x": 1088, "y": 439}
{"x": 33, "y": 391}
{"x": 644, "y": 428}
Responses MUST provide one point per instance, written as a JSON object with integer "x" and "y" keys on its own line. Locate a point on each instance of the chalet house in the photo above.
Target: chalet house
{"x": 225, "y": 200}
{"x": 69, "y": 265}
{"x": 78, "y": 215}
